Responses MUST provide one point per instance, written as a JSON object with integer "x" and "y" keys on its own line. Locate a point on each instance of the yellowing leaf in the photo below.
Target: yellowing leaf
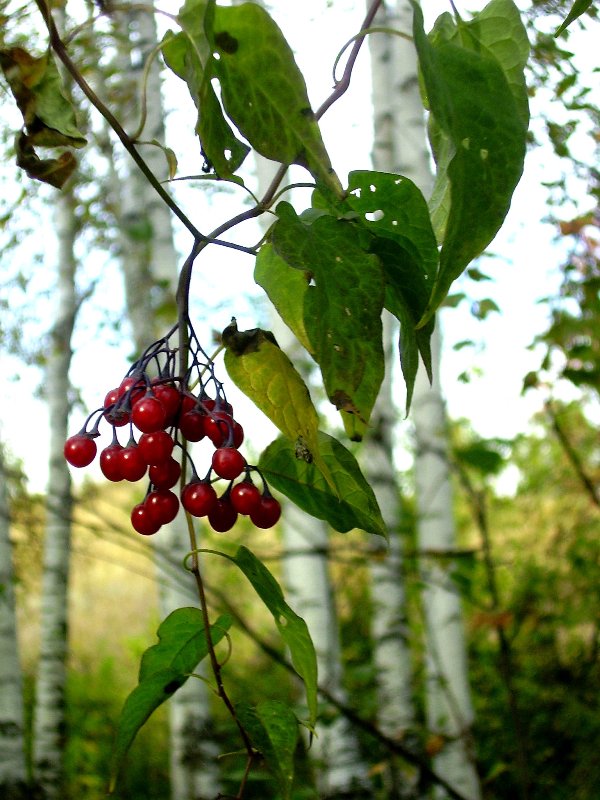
{"x": 266, "y": 375}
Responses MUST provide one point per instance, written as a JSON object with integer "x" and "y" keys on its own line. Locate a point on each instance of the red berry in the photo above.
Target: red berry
{"x": 117, "y": 416}
{"x": 198, "y": 498}
{"x": 267, "y": 513}
{"x": 217, "y": 427}
{"x": 224, "y": 406}
{"x": 228, "y": 462}
{"x": 191, "y": 425}
{"x": 80, "y": 449}
{"x": 223, "y": 516}
{"x": 170, "y": 397}
{"x": 187, "y": 403}
{"x": 208, "y": 403}
{"x": 165, "y": 475}
{"x": 163, "y": 506}
{"x": 128, "y": 383}
{"x": 143, "y": 521}
{"x": 155, "y": 447}
{"x": 133, "y": 465}
{"x": 148, "y": 414}
{"x": 222, "y": 429}
{"x": 245, "y": 497}
{"x": 111, "y": 397}
{"x": 110, "y": 462}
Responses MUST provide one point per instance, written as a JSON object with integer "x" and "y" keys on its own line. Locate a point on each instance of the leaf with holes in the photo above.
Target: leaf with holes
{"x": 342, "y": 310}
{"x": 273, "y": 730}
{"x": 292, "y": 628}
{"x": 189, "y": 55}
{"x": 473, "y": 105}
{"x": 266, "y": 375}
{"x": 395, "y": 212}
{"x": 353, "y": 506}
{"x": 264, "y": 92}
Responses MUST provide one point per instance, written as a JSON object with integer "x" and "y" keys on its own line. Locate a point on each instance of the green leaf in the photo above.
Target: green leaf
{"x": 395, "y": 212}
{"x": 579, "y": 8}
{"x": 138, "y": 707}
{"x": 165, "y": 667}
{"x": 266, "y": 375}
{"x": 182, "y": 642}
{"x": 189, "y": 55}
{"x": 301, "y": 481}
{"x": 497, "y": 32}
{"x": 403, "y": 297}
{"x": 273, "y": 731}
{"x": 392, "y": 206}
{"x": 342, "y": 310}
{"x": 286, "y": 288}
{"x": 264, "y": 92}
{"x": 475, "y": 107}
{"x": 292, "y": 628}
{"x": 48, "y": 115}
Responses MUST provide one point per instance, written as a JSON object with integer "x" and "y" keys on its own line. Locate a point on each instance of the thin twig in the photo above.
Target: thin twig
{"x": 573, "y": 456}
{"x": 342, "y": 85}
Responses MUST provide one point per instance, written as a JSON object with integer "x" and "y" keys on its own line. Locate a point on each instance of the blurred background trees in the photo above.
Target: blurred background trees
{"x": 524, "y": 568}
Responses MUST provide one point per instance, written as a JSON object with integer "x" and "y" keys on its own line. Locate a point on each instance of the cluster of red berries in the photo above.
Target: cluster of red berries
{"x": 168, "y": 414}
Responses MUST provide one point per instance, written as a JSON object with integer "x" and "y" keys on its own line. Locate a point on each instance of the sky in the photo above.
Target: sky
{"x": 524, "y": 266}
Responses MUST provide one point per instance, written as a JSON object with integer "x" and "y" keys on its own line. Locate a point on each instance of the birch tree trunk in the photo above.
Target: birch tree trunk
{"x": 448, "y": 701}
{"x": 49, "y": 728}
{"x": 400, "y": 146}
{"x": 150, "y": 271}
{"x": 13, "y": 774}
{"x": 340, "y": 770}
{"x": 393, "y": 75}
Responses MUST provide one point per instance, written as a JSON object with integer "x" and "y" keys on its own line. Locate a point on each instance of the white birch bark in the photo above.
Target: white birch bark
{"x": 393, "y": 73}
{"x": 448, "y": 701}
{"x": 150, "y": 269}
{"x": 335, "y": 752}
{"x": 400, "y": 146}
{"x": 12, "y": 744}
{"x": 49, "y": 713}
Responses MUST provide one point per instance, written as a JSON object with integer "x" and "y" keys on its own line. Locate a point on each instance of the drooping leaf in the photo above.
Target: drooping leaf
{"x": 48, "y": 116}
{"x": 189, "y": 55}
{"x": 264, "y": 92}
{"x": 258, "y": 366}
{"x": 473, "y": 105}
{"x": 164, "y": 668}
{"x": 292, "y": 628}
{"x": 182, "y": 642}
{"x": 139, "y": 705}
{"x": 355, "y": 505}
{"x": 579, "y": 7}
{"x": 273, "y": 731}
{"x": 54, "y": 171}
{"x": 342, "y": 310}
{"x": 405, "y": 294}
{"x": 395, "y": 212}
{"x": 35, "y": 82}
{"x": 286, "y": 288}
